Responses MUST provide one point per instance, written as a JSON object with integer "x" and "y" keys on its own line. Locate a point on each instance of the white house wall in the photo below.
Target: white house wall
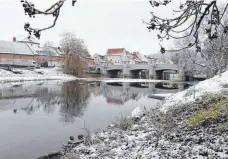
{"x": 121, "y": 58}
{"x": 116, "y": 59}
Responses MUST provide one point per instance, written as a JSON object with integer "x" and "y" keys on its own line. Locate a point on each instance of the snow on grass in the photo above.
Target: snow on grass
{"x": 34, "y": 75}
{"x": 163, "y": 95}
{"x": 212, "y": 85}
{"x": 45, "y": 83}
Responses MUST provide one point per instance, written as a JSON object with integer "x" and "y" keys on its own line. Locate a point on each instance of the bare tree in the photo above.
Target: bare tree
{"x": 185, "y": 58}
{"x": 48, "y": 44}
{"x": 75, "y": 51}
{"x": 32, "y": 11}
{"x": 188, "y": 20}
{"x": 216, "y": 53}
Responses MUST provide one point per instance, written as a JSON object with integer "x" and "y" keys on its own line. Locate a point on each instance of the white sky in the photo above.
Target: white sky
{"x": 102, "y": 24}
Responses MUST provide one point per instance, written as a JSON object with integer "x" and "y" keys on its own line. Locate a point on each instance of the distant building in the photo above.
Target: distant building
{"x": 19, "y": 52}
{"x": 139, "y": 58}
{"x": 96, "y": 58}
{"x": 119, "y": 56}
{"x": 100, "y": 60}
{"x": 89, "y": 61}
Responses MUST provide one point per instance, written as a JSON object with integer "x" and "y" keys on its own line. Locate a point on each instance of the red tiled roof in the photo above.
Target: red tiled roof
{"x": 115, "y": 51}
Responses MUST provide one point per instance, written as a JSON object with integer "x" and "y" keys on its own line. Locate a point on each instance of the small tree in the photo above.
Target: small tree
{"x": 75, "y": 52}
{"x": 216, "y": 51}
{"x": 48, "y": 44}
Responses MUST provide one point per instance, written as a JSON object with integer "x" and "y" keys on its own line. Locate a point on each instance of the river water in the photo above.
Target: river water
{"x": 38, "y": 117}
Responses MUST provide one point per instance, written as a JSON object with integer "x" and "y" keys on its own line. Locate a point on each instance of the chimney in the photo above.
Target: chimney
{"x": 14, "y": 39}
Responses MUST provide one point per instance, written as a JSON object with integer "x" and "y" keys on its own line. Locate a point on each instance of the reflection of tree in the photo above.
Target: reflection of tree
{"x": 75, "y": 99}
{"x": 30, "y": 108}
{"x": 71, "y": 98}
{"x": 48, "y": 98}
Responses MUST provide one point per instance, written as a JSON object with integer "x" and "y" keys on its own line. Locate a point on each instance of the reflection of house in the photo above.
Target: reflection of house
{"x": 116, "y": 95}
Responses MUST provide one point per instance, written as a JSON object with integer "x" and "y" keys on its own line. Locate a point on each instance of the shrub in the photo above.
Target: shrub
{"x": 204, "y": 116}
{"x": 124, "y": 122}
{"x": 214, "y": 106}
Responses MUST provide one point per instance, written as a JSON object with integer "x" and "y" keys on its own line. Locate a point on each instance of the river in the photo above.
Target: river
{"x": 38, "y": 117}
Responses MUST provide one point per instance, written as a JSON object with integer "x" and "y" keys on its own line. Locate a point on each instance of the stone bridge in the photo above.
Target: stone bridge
{"x": 131, "y": 70}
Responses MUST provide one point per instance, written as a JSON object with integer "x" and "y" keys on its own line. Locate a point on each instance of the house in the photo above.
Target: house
{"x": 89, "y": 61}
{"x": 102, "y": 60}
{"x": 96, "y": 58}
{"x": 119, "y": 56}
{"x": 139, "y": 58}
{"x": 14, "y": 53}
{"x": 27, "y": 50}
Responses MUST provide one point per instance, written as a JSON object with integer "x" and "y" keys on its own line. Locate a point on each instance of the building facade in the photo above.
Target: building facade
{"x": 119, "y": 56}
{"x": 27, "y": 51}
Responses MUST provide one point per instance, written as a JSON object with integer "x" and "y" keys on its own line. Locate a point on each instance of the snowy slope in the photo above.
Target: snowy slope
{"x": 34, "y": 75}
{"x": 212, "y": 85}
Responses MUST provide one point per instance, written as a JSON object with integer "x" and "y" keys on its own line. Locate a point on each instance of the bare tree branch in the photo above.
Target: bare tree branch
{"x": 192, "y": 14}
{"x": 31, "y": 11}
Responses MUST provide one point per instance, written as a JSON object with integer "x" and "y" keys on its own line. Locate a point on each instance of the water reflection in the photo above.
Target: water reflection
{"x": 72, "y": 97}
{"x": 49, "y": 112}
{"x": 74, "y": 100}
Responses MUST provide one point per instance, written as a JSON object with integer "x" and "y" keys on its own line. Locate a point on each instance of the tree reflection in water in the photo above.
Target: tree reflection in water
{"x": 71, "y": 98}
{"x": 75, "y": 100}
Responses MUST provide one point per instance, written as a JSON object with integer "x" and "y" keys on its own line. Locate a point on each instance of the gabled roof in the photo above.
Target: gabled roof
{"x": 47, "y": 51}
{"x": 14, "y": 48}
{"x": 115, "y": 51}
{"x": 29, "y": 39}
{"x": 129, "y": 55}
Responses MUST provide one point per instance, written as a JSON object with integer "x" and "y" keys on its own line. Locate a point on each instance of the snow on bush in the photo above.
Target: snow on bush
{"x": 214, "y": 85}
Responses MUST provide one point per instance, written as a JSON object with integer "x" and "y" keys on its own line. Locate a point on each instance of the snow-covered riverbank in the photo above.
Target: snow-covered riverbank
{"x": 34, "y": 75}
{"x": 166, "y": 131}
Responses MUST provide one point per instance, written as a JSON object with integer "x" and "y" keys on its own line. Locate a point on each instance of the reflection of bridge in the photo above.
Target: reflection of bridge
{"x": 131, "y": 70}
{"x": 149, "y": 89}
{"x": 119, "y": 93}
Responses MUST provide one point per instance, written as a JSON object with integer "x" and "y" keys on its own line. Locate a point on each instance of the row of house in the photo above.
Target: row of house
{"x": 27, "y": 50}
{"x": 120, "y": 56}
{"x": 23, "y": 52}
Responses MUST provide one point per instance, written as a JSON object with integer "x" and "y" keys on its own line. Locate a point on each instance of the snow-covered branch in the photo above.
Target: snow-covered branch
{"x": 32, "y": 11}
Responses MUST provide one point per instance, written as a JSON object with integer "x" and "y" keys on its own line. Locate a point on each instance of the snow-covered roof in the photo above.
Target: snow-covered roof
{"x": 15, "y": 48}
{"x": 28, "y": 39}
{"x": 47, "y": 51}
{"x": 143, "y": 58}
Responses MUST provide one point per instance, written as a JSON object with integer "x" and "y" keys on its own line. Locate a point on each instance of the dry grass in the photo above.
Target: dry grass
{"x": 214, "y": 107}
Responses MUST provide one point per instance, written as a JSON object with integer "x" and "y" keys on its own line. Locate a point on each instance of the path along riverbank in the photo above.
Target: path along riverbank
{"x": 189, "y": 124}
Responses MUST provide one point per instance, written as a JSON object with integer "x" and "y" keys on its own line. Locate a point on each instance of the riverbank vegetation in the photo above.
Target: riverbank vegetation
{"x": 76, "y": 53}
{"x": 214, "y": 108}
{"x": 193, "y": 129}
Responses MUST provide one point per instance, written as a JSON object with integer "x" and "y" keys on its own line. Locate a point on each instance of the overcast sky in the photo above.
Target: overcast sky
{"x": 102, "y": 24}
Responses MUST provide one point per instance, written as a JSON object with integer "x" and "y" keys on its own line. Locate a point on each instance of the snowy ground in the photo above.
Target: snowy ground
{"x": 212, "y": 85}
{"x": 34, "y": 75}
{"x": 162, "y": 135}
